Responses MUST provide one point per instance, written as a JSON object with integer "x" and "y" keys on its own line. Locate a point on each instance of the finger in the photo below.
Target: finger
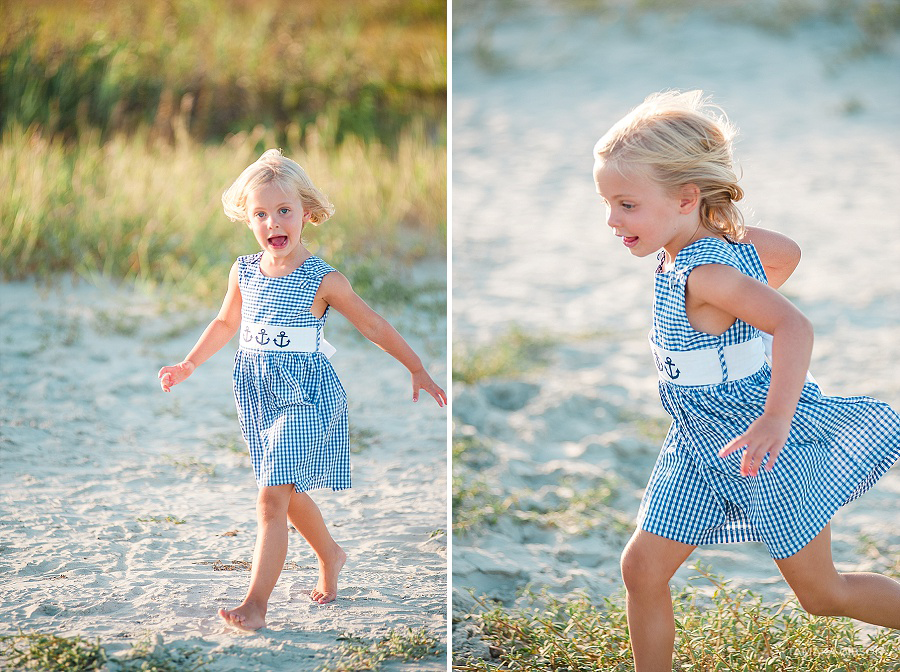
{"x": 733, "y": 446}
{"x": 415, "y": 393}
{"x": 750, "y": 461}
{"x": 436, "y": 395}
{"x": 773, "y": 456}
{"x": 745, "y": 463}
{"x": 756, "y": 459}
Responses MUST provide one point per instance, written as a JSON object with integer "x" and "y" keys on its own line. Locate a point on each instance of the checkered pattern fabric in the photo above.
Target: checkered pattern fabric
{"x": 837, "y": 448}
{"x": 292, "y": 407}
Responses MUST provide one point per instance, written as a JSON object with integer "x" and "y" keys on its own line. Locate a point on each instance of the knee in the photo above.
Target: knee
{"x": 639, "y": 571}
{"x": 271, "y": 506}
{"x": 821, "y": 600}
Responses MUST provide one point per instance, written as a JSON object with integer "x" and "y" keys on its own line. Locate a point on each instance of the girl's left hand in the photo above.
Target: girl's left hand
{"x": 767, "y": 435}
{"x": 422, "y": 381}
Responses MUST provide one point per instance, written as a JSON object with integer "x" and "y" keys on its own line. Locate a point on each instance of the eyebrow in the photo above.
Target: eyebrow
{"x": 280, "y": 205}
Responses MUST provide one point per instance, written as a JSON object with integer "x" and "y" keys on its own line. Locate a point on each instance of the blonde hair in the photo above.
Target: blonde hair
{"x": 273, "y": 166}
{"x": 676, "y": 139}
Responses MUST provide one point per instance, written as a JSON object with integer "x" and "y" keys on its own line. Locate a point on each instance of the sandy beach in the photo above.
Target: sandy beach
{"x": 128, "y": 514}
{"x": 563, "y": 450}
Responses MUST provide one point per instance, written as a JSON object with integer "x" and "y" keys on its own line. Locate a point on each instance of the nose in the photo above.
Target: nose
{"x": 611, "y": 221}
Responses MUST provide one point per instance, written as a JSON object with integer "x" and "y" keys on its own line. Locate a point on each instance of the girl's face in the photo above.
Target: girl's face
{"x": 276, "y": 218}
{"x": 645, "y": 215}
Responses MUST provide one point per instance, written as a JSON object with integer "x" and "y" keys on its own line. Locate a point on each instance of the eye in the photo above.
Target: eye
{"x": 259, "y": 215}
{"x": 628, "y": 206}
{"x": 284, "y": 211}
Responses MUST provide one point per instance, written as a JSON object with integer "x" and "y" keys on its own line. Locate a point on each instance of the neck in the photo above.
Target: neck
{"x": 284, "y": 265}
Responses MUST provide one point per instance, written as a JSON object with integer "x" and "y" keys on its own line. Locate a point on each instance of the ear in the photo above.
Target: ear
{"x": 688, "y": 198}
{"x": 306, "y": 216}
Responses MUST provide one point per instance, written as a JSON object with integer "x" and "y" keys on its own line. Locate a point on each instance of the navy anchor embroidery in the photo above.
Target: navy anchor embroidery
{"x": 261, "y": 338}
{"x": 246, "y": 336}
{"x": 669, "y": 366}
{"x": 282, "y": 341}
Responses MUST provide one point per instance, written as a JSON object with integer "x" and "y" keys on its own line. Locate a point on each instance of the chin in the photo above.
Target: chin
{"x": 640, "y": 253}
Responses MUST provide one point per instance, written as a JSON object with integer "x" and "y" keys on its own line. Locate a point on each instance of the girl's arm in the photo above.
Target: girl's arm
{"x": 337, "y": 292}
{"x": 751, "y": 301}
{"x": 214, "y": 337}
{"x": 778, "y": 253}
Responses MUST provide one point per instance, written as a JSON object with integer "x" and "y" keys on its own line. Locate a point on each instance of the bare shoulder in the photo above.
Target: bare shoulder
{"x": 778, "y": 253}
{"x": 334, "y": 282}
{"x": 717, "y": 283}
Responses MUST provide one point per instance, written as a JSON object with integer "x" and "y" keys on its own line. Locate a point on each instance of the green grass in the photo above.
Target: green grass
{"x": 512, "y": 353}
{"x": 48, "y": 652}
{"x": 480, "y": 501}
{"x": 357, "y": 653}
{"x": 51, "y": 653}
{"x": 725, "y": 629}
{"x": 191, "y": 465}
{"x": 149, "y": 213}
{"x": 123, "y": 123}
{"x": 162, "y": 519}
{"x": 210, "y": 67}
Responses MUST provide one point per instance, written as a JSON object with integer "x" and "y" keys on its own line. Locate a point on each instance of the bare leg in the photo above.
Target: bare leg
{"x": 823, "y": 591}
{"x": 306, "y": 517}
{"x": 648, "y": 563}
{"x": 268, "y": 558}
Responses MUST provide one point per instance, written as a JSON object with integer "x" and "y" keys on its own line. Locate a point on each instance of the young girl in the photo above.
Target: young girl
{"x": 292, "y": 407}
{"x": 755, "y": 452}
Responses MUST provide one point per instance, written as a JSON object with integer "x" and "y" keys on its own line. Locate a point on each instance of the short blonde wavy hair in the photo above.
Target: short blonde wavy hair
{"x": 675, "y": 139}
{"x": 273, "y": 166}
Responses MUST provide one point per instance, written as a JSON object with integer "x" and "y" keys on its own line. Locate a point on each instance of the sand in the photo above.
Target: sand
{"x": 818, "y": 149}
{"x": 128, "y": 514}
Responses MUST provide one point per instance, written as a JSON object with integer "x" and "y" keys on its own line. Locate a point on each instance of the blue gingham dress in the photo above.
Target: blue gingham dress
{"x": 836, "y": 450}
{"x": 292, "y": 407}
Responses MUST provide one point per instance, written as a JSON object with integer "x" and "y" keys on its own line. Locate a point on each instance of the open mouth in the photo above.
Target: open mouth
{"x": 278, "y": 241}
{"x": 630, "y": 241}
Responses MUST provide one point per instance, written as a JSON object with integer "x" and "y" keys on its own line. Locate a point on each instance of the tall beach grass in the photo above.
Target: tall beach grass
{"x": 373, "y": 65}
{"x": 150, "y": 212}
{"x": 123, "y": 123}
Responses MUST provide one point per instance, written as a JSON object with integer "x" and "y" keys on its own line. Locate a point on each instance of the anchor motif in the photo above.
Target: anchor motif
{"x": 659, "y": 366}
{"x": 281, "y": 340}
{"x": 669, "y": 366}
{"x": 246, "y": 336}
{"x": 261, "y": 338}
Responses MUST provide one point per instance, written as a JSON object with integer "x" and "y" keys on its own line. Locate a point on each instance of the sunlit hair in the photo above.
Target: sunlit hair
{"x": 676, "y": 139}
{"x": 274, "y": 167}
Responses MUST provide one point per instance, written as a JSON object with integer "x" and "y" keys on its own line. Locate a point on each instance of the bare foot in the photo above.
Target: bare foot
{"x": 245, "y": 617}
{"x": 326, "y": 588}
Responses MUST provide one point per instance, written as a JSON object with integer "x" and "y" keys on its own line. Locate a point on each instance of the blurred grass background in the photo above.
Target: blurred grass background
{"x": 122, "y": 123}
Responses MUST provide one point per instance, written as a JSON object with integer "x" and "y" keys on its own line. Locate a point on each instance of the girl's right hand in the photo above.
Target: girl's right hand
{"x": 170, "y": 376}
{"x": 765, "y": 436}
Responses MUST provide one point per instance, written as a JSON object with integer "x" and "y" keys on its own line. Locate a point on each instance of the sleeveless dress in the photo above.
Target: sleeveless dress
{"x": 291, "y": 405}
{"x": 836, "y": 450}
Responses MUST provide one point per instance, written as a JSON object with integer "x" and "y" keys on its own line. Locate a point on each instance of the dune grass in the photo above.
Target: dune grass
{"x": 479, "y": 500}
{"x": 123, "y": 123}
{"x": 357, "y": 653}
{"x": 717, "y": 628}
{"x": 224, "y": 66}
{"x": 51, "y": 653}
{"x": 515, "y": 351}
{"x": 150, "y": 213}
